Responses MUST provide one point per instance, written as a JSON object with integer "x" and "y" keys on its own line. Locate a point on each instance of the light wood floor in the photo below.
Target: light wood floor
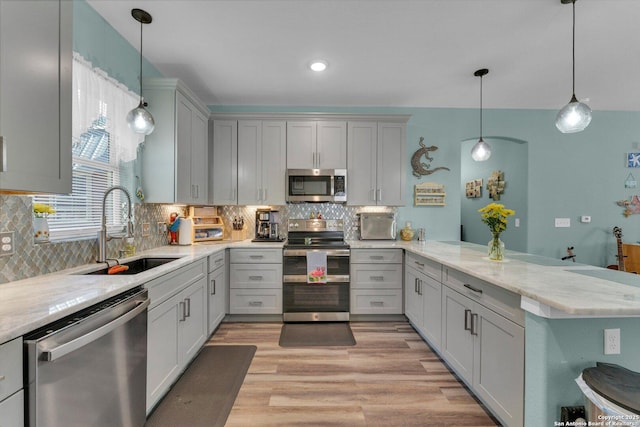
{"x": 390, "y": 378}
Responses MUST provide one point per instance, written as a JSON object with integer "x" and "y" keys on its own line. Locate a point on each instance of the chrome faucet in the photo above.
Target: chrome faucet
{"x": 102, "y": 234}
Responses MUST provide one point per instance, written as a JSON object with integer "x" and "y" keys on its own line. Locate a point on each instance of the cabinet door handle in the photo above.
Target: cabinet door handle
{"x": 372, "y": 195}
{"x": 182, "y": 308}
{"x": 377, "y": 303}
{"x": 255, "y": 277}
{"x": 467, "y": 313}
{"x": 313, "y": 159}
{"x": 376, "y": 278}
{"x": 3, "y": 155}
{"x": 468, "y": 286}
{"x": 415, "y": 285}
{"x": 255, "y": 303}
{"x": 419, "y": 286}
{"x": 318, "y": 160}
{"x": 379, "y": 191}
{"x": 474, "y": 324}
{"x": 188, "y": 307}
{"x": 213, "y": 286}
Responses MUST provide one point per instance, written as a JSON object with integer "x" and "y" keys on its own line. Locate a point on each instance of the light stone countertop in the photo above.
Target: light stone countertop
{"x": 549, "y": 287}
{"x": 26, "y": 305}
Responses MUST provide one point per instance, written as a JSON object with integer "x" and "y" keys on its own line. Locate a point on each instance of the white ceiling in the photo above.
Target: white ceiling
{"x": 407, "y": 53}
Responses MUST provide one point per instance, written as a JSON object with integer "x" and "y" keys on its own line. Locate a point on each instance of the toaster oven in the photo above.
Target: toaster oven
{"x": 377, "y": 226}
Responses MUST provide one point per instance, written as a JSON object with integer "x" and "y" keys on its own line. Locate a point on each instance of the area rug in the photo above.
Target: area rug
{"x": 316, "y": 334}
{"x": 205, "y": 393}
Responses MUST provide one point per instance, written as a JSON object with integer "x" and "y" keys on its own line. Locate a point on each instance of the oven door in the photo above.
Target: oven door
{"x": 295, "y": 264}
{"x": 303, "y": 301}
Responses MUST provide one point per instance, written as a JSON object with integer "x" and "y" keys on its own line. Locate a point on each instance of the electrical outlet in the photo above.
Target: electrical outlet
{"x": 161, "y": 228}
{"x": 612, "y": 341}
{"x": 7, "y": 243}
{"x": 517, "y": 222}
{"x": 146, "y": 229}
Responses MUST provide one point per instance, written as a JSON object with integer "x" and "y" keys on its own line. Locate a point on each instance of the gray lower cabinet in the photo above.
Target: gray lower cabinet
{"x": 487, "y": 352}
{"x": 376, "y": 281}
{"x": 255, "y": 281}
{"x": 11, "y": 393}
{"x": 476, "y": 327}
{"x": 177, "y": 326}
{"x": 217, "y": 298}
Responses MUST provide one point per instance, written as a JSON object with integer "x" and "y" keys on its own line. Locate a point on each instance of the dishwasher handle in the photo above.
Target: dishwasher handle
{"x": 66, "y": 348}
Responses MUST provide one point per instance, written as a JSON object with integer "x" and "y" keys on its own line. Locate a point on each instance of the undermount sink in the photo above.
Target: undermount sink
{"x": 137, "y": 266}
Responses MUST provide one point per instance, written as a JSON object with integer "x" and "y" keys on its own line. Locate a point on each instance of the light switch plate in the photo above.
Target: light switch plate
{"x": 563, "y": 222}
{"x": 146, "y": 229}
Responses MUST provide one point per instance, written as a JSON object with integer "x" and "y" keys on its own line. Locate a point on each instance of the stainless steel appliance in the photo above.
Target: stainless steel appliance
{"x": 377, "y": 226}
{"x": 90, "y": 369}
{"x": 316, "y": 185}
{"x": 302, "y": 301}
{"x": 267, "y": 226}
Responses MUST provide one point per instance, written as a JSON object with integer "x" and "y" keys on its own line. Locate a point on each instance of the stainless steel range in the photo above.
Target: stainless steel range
{"x": 308, "y": 302}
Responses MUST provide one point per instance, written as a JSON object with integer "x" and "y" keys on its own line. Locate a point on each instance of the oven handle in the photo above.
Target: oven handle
{"x": 330, "y": 252}
{"x": 66, "y": 348}
{"x": 301, "y": 278}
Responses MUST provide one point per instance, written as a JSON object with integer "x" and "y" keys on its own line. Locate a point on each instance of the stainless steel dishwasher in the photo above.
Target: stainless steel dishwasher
{"x": 90, "y": 369}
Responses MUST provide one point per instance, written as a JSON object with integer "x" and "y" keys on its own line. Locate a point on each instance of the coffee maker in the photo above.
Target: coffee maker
{"x": 267, "y": 226}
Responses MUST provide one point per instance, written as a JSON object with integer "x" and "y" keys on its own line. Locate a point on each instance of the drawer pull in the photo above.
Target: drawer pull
{"x": 468, "y": 286}
{"x": 377, "y": 278}
{"x": 474, "y": 324}
{"x": 255, "y": 277}
{"x": 255, "y": 303}
{"x": 256, "y": 256}
{"x": 219, "y": 260}
{"x": 376, "y": 257}
{"x": 467, "y": 312}
{"x": 421, "y": 264}
{"x": 377, "y": 303}
{"x": 183, "y": 309}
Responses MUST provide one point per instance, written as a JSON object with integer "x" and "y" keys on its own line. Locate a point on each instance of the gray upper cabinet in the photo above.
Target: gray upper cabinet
{"x": 261, "y": 162}
{"x": 224, "y": 162}
{"x": 175, "y": 165}
{"x": 376, "y": 163}
{"x": 318, "y": 144}
{"x": 35, "y": 155}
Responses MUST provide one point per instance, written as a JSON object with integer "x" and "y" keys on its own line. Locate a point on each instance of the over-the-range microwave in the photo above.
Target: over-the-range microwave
{"x": 316, "y": 185}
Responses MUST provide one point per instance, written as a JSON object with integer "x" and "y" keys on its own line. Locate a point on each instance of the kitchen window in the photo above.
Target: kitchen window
{"x": 104, "y": 154}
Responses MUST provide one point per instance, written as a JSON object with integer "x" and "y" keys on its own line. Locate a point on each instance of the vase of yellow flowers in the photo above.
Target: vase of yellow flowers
{"x": 40, "y": 223}
{"x": 495, "y": 216}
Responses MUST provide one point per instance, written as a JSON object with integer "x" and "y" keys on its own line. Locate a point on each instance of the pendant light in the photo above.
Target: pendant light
{"x": 481, "y": 151}
{"x": 139, "y": 119}
{"x": 575, "y": 116}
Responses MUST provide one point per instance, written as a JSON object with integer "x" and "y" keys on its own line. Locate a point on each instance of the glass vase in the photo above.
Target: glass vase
{"x": 40, "y": 230}
{"x": 496, "y": 248}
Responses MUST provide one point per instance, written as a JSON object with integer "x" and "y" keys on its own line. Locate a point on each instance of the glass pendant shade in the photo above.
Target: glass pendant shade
{"x": 574, "y": 117}
{"x": 481, "y": 151}
{"x": 140, "y": 120}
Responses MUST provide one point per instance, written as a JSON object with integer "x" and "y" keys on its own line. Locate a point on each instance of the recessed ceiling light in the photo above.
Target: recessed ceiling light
{"x": 318, "y": 65}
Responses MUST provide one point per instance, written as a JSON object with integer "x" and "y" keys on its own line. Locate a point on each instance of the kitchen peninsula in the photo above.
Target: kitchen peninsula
{"x": 563, "y": 307}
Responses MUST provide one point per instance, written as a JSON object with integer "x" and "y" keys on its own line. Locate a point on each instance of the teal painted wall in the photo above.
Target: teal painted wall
{"x": 509, "y": 156}
{"x": 97, "y": 41}
{"x": 556, "y": 353}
